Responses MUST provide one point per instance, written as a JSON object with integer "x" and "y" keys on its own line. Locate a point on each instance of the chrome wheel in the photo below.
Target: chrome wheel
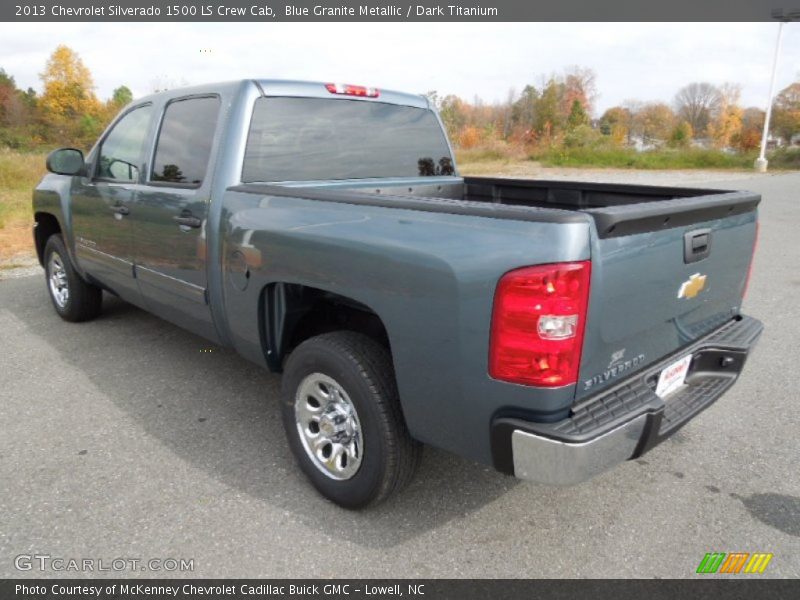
{"x": 328, "y": 426}
{"x": 57, "y": 276}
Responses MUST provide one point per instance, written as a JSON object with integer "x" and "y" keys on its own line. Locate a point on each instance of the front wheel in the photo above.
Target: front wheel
{"x": 343, "y": 419}
{"x": 73, "y": 298}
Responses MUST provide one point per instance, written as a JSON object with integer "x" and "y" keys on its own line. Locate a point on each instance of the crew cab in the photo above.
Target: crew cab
{"x": 551, "y": 329}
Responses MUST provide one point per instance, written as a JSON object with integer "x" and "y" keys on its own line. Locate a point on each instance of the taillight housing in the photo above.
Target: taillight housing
{"x": 750, "y": 266}
{"x": 345, "y": 89}
{"x": 538, "y": 320}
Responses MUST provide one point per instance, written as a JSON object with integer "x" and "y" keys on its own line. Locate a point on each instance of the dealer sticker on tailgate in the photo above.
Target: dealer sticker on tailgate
{"x": 673, "y": 376}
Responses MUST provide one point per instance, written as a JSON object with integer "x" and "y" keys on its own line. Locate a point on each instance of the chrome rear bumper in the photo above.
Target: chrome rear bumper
{"x": 546, "y": 460}
{"x": 626, "y": 420}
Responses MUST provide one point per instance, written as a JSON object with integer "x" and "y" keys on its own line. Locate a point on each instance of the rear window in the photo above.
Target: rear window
{"x": 303, "y": 139}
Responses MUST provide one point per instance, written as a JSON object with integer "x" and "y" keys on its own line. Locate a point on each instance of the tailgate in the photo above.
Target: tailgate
{"x": 663, "y": 275}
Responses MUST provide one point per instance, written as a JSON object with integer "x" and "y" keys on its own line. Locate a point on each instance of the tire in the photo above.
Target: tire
{"x": 370, "y": 452}
{"x": 73, "y": 298}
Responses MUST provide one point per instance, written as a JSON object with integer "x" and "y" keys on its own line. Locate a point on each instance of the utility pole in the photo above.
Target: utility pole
{"x": 783, "y": 18}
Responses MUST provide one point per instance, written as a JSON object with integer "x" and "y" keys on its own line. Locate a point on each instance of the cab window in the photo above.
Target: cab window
{"x": 121, "y": 153}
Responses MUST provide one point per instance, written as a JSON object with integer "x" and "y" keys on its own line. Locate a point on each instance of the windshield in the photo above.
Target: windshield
{"x": 305, "y": 139}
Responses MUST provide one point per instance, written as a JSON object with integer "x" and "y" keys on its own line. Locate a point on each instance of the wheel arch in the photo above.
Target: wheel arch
{"x": 45, "y": 225}
{"x": 291, "y": 313}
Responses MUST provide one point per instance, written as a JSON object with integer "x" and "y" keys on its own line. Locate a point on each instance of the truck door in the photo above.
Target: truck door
{"x": 102, "y": 203}
{"x": 170, "y": 217}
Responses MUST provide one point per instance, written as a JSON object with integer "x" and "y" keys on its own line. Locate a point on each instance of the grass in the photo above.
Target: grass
{"x": 492, "y": 152}
{"x": 494, "y": 157}
{"x": 19, "y": 174}
{"x": 627, "y": 158}
{"x": 785, "y": 159}
{"x": 489, "y": 159}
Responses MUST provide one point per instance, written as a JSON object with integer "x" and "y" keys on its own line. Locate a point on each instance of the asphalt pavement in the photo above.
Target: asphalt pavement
{"x": 128, "y": 438}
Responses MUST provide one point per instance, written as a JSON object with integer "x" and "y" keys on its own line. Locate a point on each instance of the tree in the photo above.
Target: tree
{"x": 654, "y": 122}
{"x": 17, "y": 111}
{"x": 469, "y": 137}
{"x": 453, "y": 114}
{"x": 749, "y": 137}
{"x": 616, "y": 122}
{"x": 698, "y": 104}
{"x": 507, "y": 112}
{"x": 549, "y": 119}
{"x": 121, "y": 96}
{"x": 8, "y": 91}
{"x": 68, "y": 98}
{"x": 577, "y": 115}
{"x": 523, "y": 112}
{"x": 727, "y": 125}
{"x": 582, "y": 136}
{"x": 68, "y": 85}
{"x": 579, "y": 83}
{"x": 786, "y": 112}
{"x": 681, "y": 136}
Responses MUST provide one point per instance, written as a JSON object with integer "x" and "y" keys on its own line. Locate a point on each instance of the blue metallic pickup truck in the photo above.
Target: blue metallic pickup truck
{"x": 550, "y": 329}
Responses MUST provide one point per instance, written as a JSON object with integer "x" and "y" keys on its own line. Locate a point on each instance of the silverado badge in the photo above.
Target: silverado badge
{"x": 693, "y": 286}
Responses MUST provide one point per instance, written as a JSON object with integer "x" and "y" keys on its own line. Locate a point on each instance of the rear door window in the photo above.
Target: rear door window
{"x": 184, "y": 142}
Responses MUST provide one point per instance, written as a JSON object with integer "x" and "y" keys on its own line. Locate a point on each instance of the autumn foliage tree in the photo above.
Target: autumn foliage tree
{"x": 616, "y": 123}
{"x": 68, "y": 103}
{"x": 726, "y": 125}
{"x": 654, "y": 122}
{"x": 786, "y": 112}
{"x": 67, "y": 113}
{"x": 8, "y": 97}
{"x": 543, "y": 114}
{"x": 553, "y": 112}
{"x": 749, "y": 137}
{"x": 17, "y": 113}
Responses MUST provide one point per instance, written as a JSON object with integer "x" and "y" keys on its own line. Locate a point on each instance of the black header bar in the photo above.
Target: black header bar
{"x": 701, "y": 587}
{"x": 395, "y": 10}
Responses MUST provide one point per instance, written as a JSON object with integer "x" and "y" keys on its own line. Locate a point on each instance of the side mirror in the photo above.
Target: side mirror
{"x": 66, "y": 161}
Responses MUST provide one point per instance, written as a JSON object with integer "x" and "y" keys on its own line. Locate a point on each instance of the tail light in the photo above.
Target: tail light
{"x": 537, "y": 324}
{"x": 346, "y": 89}
{"x": 750, "y": 266}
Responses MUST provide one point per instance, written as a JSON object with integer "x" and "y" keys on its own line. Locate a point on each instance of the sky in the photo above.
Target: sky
{"x": 641, "y": 61}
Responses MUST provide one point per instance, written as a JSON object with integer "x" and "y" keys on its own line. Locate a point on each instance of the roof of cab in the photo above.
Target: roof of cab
{"x": 316, "y": 89}
{"x": 283, "y": 87}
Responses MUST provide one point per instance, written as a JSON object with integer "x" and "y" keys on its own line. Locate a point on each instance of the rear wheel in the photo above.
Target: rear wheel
{"x": 73, "y": 298}
{"x": 343, "y": 419}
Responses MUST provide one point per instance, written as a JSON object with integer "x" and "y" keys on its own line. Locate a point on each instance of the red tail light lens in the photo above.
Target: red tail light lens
{"x": 346, "y": 89}
{"x": 750, "y": 266}
{"x": 537, "y": 324}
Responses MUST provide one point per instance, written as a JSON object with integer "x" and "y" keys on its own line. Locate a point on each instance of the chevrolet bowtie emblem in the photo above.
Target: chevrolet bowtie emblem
{"x": 692, "y": 287}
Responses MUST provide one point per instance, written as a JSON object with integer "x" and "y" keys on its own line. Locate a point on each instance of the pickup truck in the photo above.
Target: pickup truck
{"x": 551, "y": 329}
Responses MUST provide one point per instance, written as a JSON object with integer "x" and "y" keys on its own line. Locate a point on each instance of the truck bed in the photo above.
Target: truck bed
{"x": 660, "y": 236}
{"x": 617, "y": 209}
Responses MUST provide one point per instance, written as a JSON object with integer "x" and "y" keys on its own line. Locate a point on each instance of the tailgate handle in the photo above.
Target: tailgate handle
{"x": 696, "y": 245}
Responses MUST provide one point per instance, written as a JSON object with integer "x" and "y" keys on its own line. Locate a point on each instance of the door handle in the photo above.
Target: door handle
{"x": 188, "y": 220}
{"x": 121, "y": 210}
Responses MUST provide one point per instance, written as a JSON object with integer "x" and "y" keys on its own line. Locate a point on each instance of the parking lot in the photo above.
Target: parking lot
{"x": 127, "y": 437}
